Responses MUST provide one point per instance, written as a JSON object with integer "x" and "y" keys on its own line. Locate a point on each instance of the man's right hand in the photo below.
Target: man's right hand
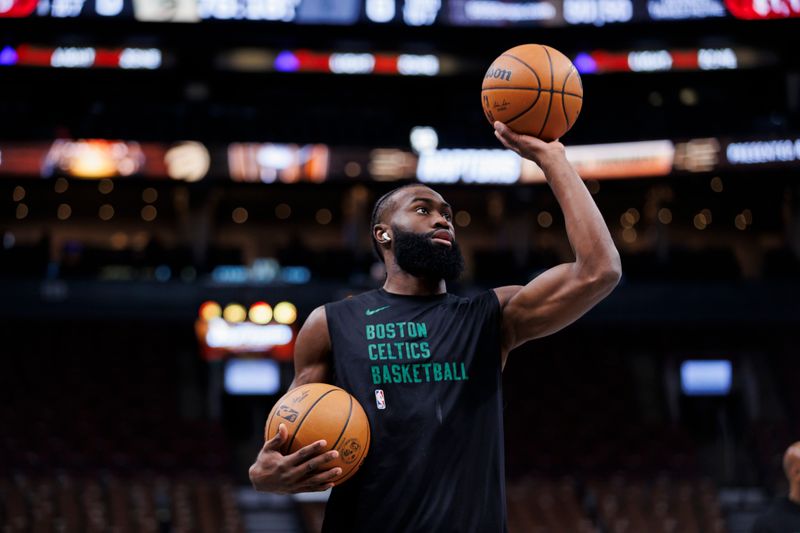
{"x": 302, "y": 471}
{"x": 540, "y": 152}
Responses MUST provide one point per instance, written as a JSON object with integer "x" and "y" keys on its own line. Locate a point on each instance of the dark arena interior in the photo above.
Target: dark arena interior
{"x": 182, "y": 183}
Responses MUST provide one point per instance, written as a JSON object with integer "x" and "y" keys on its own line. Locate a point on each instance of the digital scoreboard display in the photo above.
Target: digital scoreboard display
{"x": 504, "y": 13}
{"x": 534, "y": 13}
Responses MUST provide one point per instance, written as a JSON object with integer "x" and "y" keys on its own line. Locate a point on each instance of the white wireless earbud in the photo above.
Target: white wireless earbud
{"x": 385, "y": 236}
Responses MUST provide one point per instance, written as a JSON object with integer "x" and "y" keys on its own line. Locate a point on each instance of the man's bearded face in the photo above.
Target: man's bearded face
{"x": 420, "y": 256}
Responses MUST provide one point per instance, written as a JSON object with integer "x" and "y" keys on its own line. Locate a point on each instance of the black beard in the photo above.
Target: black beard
{"x": 418, "y": 255}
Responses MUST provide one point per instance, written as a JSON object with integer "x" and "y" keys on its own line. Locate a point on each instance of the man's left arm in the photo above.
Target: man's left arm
{"x": 564, "y": 293}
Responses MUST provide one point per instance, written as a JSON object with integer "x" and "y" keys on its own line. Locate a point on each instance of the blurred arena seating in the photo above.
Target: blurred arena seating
{"x": 89, "y": 504}
{"x": 550, "y": 431}
{"x": 615, "y": 505}
{"x": 581, "y": 456}
{"x": 664, "y": 505}
{"x": 93, "y": 439}
{"x": 543, "y": 505}
{"x": 101, "y": 431}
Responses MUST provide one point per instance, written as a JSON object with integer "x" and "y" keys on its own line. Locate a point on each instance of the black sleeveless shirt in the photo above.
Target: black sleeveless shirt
{"x": 427, "y": 370}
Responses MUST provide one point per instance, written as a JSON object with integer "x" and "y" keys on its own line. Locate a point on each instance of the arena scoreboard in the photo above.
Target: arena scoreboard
{"x": 406, "y": 12}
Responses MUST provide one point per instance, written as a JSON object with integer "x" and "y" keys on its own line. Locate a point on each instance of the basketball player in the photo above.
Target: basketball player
{"x": 784, "y": 515}
{"x": 426, "y": 365}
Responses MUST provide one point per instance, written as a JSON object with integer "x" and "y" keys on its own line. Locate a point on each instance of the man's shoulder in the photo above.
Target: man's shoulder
{"x": 355, "y": 299}
{"x": 481, "y": 306}
{"x": 483, "y": 298}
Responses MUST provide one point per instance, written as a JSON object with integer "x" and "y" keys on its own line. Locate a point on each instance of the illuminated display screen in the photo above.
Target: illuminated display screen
{"x": 332, "y": 62}
{"x": 287, "y": 163}
{"x": 81, "y": 57}
{"x": 684, "y": 9}
{"x": 233, "y": 330}
{"x": 760, "y": 9}
{"x": 535, "y": 13}
{"x": 504, "y": 13}
{"x": 706, "y": 377}
{"x": 103, "y": 158}
{"x": 317, "y": 163}
{"x": 663, "y": 60}
{"x": 378, "y": 63}
{"x": 772, "y": 152}
{"x": 252, "y": 59}
{"x": 598, "y": 12}
{"x": 252, "y": 376}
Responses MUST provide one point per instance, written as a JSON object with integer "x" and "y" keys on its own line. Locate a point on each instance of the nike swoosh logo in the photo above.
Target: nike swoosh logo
{"x": 371, "y": 312}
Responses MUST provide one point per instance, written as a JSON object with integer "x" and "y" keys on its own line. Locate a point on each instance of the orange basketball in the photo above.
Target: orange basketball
{"x": 319, "y": 411}
{"x": 533, "y": 89}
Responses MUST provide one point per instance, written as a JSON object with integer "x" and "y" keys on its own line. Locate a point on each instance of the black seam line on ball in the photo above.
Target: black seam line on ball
{"x": 527, "y": 66}
{"x": 362, "y": 453}
{"x": 532, "y": 89}
{"x": 564, "y": 100}
{"x": 538, "y": 80}
{"x": 349, "y": 414}
{"x": 550, "y": 103}
{"x": 297, "y": 429}
{"x": 269, "y": 421}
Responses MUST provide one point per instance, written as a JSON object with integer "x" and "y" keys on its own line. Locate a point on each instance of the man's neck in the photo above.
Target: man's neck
{"x": 400, "y": 282}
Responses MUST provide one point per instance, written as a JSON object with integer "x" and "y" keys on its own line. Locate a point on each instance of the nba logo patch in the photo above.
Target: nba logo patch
{"x": 379, "y": 399}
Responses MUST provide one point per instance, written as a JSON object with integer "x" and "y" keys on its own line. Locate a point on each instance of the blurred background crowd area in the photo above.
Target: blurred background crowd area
{"x": 181, "y": 183}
